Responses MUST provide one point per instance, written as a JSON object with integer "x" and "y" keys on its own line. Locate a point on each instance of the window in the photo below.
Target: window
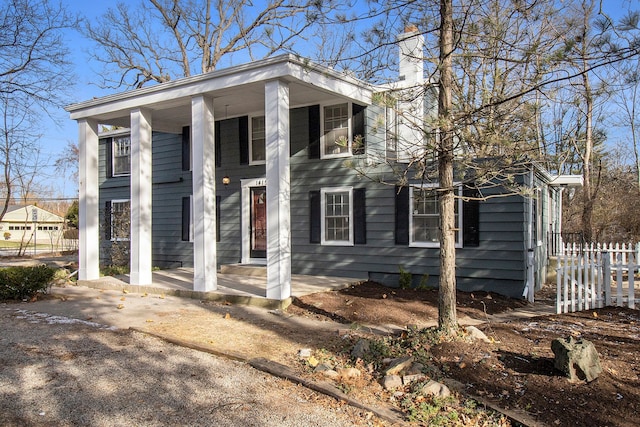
{"x": 120, "y": 219}
{"x": 121, "y": 155}
{"x": 336, "y": 140}
{"x": 257, "y": 147}
{"x": 337, "y": 214}
{"x": 424, "y": 218}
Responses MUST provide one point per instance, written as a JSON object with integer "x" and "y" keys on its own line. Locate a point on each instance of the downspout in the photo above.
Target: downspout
{"x": 530, "y": 248}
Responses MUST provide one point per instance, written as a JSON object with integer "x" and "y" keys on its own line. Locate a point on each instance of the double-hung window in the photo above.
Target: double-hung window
{"x": 257, "y": 146}
{"x": 337, "y": 216}
{"x": 336, "y": 138}
{"x": 424, "y": 217}
{"x": 120, "y": 220}
{"x": 121, "y": 155}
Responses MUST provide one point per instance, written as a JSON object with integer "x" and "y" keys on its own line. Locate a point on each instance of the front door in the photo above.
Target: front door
{"x": 258, "y": 222}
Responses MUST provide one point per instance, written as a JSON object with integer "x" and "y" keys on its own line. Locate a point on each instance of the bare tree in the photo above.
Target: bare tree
{"x": 158, "y": 40}
{"x": 34, "y": 77}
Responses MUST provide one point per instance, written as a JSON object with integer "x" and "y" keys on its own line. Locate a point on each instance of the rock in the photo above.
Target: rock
{"x": 390, "y": 382}
{"x": 577, "y": 359}
{"x": 477, "y": 334}
{"x": 360, "y": 349}
{"x": 407, "y": 379}
{"x": 304, "y": 353}
{"x": 434, "y": 388}
{"x": 398, "y": 365}
{"x": 349, "y": 373}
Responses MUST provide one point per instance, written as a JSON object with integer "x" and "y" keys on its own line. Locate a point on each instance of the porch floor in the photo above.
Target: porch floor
{"x": 233, "y": 288}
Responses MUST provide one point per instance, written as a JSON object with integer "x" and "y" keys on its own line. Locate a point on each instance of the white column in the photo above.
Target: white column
{"x": 89, "y": 255}
{"x": 278, "y": 190}
{"x": 204, "y": 194}
{"x": 141, "y": 203}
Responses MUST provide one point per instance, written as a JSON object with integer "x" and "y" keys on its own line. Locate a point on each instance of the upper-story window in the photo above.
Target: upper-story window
{"x": 336, "y": 135}
{"x": 121, "y": 155}
{"x": 257, "y": 146}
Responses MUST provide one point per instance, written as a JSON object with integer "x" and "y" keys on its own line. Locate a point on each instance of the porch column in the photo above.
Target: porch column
{"x": 141, "y": 195}
{"x": 278, "y": 190}
{"x": 89, "y": 255}
{"x": 204, "y": 194}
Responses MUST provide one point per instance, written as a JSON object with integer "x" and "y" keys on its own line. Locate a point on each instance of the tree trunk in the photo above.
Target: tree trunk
{"x": 589, "y": 194}
{"x": 447, "y": 320}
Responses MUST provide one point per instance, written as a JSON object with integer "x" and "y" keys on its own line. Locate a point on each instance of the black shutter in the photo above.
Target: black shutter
{"x": 359, "y": 217}
{"x": 243, "y": 123}
{"x": 186, "y": 148}
{"x": 471, "y": 218}
{"x": 109, "y": 157}
{"x": 186, "y": 218}
{"x": 402, "y": 215}
{"x": 217, "y": 143}
{"x": 314, "y": 132}
{"x": 218, "y": 199}
{"x": 107, "y": 220}
{"x": 314, "y": 217}
{"x": 359, "y": 129}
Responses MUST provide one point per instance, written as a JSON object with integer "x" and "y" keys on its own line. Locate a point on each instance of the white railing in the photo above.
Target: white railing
{"x": 594, "y": 277}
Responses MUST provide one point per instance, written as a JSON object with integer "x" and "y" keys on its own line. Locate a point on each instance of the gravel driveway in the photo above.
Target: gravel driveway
{"x": 65, "y": 372}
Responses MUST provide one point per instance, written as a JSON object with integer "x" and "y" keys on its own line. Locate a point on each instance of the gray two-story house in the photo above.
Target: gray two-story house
{"x": 262, "y": 164}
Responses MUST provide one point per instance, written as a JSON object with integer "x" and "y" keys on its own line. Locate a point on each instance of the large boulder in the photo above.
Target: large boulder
{"x": 577, "y": 359}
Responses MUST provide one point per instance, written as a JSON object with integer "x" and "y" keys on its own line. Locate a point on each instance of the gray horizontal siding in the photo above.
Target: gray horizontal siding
{"x": 497, "y": 264}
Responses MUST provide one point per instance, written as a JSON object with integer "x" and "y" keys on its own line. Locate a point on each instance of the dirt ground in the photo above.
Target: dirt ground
{"x": 516, "y": 370}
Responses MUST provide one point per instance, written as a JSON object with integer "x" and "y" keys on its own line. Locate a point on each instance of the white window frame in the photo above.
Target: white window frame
{"x": 323, "y": 142}
{"x": 323, "y": 205}
{"x": 251, "y": 160}
{"x": 114, "y": 202}
{"x": 113, "y": 155}
{"x": 459, "y": 223}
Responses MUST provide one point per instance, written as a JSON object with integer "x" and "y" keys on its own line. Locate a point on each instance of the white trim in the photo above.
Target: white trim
{"x": 349, "y": 152}
{"x": 245, "y": 220}
{"x": 141, "y": 196}
{"x": 278, "y": 173}
{"x": 113, "y": 156}
{"x": 459, "y": 224}
{"x": 88, "y": 209}
{"x": 290, "y": 67}
{"x": 251, "y": 161}
{"x": 323, "y": 239}
{"x": 204, "y": 194}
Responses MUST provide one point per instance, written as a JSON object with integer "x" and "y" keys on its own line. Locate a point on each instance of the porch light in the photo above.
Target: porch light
{"x": 226, "y": 180}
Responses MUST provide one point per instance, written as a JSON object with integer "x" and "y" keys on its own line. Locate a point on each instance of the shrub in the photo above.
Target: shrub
{"x": 406, "y": 279}
{"x": 24, "y": 282}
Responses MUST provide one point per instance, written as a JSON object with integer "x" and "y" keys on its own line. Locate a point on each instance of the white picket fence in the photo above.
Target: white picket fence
{"x": 594, "y": 276}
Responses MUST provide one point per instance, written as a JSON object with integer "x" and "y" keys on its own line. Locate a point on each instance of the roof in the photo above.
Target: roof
{"x": 236, "y": 91}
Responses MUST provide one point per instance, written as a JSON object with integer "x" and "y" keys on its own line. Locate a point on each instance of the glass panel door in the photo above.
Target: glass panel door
{"x": 258, "y": 197}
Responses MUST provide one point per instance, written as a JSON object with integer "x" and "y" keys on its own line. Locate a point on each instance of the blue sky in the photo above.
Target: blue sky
{"x": 62, "y": 130}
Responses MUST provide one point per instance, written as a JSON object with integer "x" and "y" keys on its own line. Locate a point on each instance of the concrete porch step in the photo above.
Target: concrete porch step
{"x": 244, "y": 270}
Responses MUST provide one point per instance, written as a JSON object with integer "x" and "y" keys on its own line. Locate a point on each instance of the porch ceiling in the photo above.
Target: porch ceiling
{"x": 236, "y": 91}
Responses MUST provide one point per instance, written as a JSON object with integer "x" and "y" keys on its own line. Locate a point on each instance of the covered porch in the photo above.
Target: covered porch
{"x": 271, "y": 87}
